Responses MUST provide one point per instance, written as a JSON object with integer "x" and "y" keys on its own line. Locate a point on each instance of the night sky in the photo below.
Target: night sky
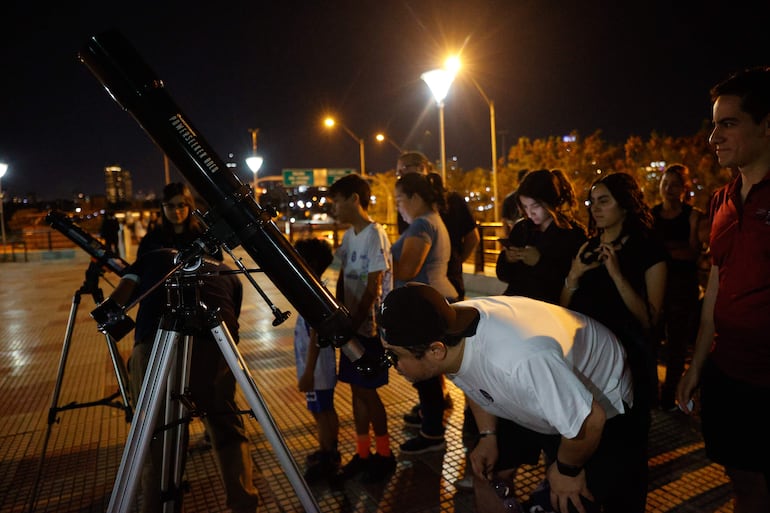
{"x": 550, "y": 67}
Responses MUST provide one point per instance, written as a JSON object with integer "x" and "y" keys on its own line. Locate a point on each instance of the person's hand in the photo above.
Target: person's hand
{"x": 512, "y": 254}
{"x": 530, "y": 255}
{"x": 484, "y": 457}
{"x": 566, "y": 489}
{"x": 578, "y": 267}
{"x": 685, "y": 390}
{"x": 609, "y": 256}
{"x": 306, "y": 382}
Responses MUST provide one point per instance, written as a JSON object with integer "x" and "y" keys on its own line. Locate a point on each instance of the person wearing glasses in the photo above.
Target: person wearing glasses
{"x": 537, "y": 376}
{"x": 212, "y": 383}
{"x": 463, "y": 240}
{"x": 178, "y": 227}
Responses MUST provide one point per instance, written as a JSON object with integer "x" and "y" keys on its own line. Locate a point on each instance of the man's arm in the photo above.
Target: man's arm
{"x": 364, "y": 306}
{"x": 124, "y": 290}
{"x": 470, "y": 242}
{"x": 703, "y": 343}
{"x": 484, "y": 455}
{"x": 566, "y": 474}
{"x": 575, "y": 452}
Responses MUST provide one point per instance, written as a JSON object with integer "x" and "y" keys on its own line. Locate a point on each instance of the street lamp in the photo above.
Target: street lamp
{"x": 382, "y": 138}
{"x": 496, "y": 202}
{"x": 3, "y": 169}
{"x": 453, "y": 65}
{"x": 330, "y": 122}
{"x": 255, "y": 161}
{"x": 439, "y": 81}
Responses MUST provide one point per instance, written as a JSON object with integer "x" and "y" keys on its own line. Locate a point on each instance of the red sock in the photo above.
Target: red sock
{"x": 382, "y": 444}
{"x": 363, "y": 442}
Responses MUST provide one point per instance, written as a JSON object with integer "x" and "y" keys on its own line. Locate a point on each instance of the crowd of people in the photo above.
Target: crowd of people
{"x": 562, "y": 367}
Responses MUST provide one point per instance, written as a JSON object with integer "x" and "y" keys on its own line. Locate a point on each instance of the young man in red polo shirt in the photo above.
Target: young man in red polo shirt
{"x": 731, "y": 363}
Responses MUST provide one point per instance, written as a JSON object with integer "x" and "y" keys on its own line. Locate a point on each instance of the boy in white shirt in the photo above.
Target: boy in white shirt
{"x": 365, "y": 277}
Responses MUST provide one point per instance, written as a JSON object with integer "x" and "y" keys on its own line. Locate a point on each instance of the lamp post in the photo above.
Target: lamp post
{"x": 496, "y": 202}
{"x": 453, "y": 66}
{"x": 330, "y": 122}
{"x": 3, "y": 169}
{"x": 382, "y": 138}
{"x": 255, "y": 161}
{"x": 439, "y": 81}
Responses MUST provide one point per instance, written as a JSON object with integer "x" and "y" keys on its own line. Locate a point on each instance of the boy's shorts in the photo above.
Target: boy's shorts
{"x": 348, "y": 373}
{"x": 320, "y": 400}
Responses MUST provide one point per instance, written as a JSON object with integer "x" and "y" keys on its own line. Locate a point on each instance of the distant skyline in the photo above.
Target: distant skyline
{"x": 550, "y": 67}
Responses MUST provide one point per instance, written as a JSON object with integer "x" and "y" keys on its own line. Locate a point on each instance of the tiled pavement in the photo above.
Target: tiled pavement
{"x": 77, "y": 471}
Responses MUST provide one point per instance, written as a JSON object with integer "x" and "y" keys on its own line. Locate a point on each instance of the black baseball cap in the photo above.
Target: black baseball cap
{"x": 415, "y": 314}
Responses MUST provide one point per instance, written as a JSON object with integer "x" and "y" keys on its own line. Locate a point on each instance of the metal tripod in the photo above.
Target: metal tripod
{"x": 167, "y": 375}
{"x": 90, "y": 286}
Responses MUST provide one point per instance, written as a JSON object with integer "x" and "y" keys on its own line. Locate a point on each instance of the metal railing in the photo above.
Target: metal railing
{"x": 488, "y": 249}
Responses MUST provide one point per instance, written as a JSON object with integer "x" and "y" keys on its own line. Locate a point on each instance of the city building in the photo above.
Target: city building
{"x": 118, "y": 186}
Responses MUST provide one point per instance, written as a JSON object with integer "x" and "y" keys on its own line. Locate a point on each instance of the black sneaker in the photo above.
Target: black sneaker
{"x": 316, "y": 456}
{"x": 379, "y": 468}
{"x": 421, "y": 444}
{"x": 357, "y": 465}
{"x": 413, "y": 419}
{"x": 327, "y": 464}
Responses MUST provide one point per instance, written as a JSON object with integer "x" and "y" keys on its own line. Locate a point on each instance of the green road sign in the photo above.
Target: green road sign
{"x": 296, "y": 177}
{"x": 313, "y": 177}
{"x": 332, "y": 175}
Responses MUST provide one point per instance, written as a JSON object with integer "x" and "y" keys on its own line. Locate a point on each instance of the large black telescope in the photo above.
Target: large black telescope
{"x": 235, "y": 218}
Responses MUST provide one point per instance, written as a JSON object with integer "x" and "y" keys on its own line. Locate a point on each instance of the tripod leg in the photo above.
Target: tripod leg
{"x": 54, "y": 408}
{"x": 120, "y": 374}
{"x": 175, "y": 438}
{"x": 242, "y": 375}
{"x": 145, "y": 417}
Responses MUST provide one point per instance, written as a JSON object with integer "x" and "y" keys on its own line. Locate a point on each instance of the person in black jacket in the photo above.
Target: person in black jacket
{"x": 211, "y": 382}
{"x": 537, "y": 254}
{"x": 178, "y": 227}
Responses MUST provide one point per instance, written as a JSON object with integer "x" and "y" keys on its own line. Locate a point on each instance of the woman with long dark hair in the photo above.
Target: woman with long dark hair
{"x": 677, "y": 223}
{"x": 619, "y": 275}
{"x": 421, "y": 254}
{"x": 537, "y": 254}
{"x": 178, "y": 227}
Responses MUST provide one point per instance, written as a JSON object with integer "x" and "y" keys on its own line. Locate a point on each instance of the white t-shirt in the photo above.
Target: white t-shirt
{"x": 359, "y": 255}
{"x": 325, "y": 372}
{"x": 540, "y": 365}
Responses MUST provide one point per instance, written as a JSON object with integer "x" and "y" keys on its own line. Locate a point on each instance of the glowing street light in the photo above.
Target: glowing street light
{"x": 439, "y": 81}
{"x": 3, "y": 169}
{"x": 383, "y": 138}
{"x": 255, "y": 161}
{"x": 330, "y": 122}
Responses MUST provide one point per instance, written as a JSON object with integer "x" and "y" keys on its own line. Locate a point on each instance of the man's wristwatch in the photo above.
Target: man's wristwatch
{"x": 568, "y": 470}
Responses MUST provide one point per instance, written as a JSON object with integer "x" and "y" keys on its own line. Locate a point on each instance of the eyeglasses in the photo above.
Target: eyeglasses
{"x": 176, "y": 206}
{"x": 389, "y": 359}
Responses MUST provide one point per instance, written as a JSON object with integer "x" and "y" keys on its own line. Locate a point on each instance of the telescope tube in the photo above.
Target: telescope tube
{"x": 98, "y": 251}
{"x": 131, "y": 82}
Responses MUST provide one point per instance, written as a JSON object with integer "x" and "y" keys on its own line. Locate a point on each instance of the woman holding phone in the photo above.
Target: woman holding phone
{"x": 538, "y": 251}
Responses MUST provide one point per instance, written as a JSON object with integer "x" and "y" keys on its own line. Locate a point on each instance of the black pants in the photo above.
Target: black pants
{"x": 431, "y": 394}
